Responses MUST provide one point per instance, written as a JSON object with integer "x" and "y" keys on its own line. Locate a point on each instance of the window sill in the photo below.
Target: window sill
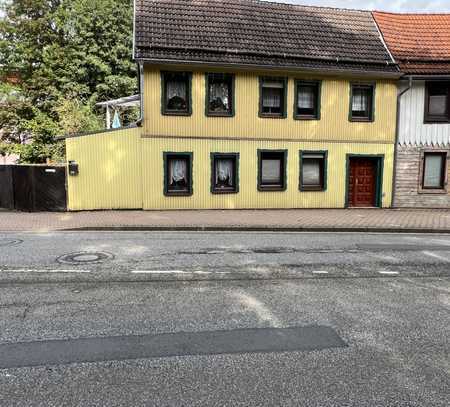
{"x": 166, "y": 113}
{"x": 436, "y": 121}
{"x": 312, "y": 189}
{"x": 433, "y": 191}
{"x": 361, "y": 119}
{"x": 306, "y": 117}
{"x": 269, "y": 188}
{"x": 212, "y": 114}
{"x": 224, "y": 191}
{"x": 177, "y": 193}
{"x": 272, "y": 116}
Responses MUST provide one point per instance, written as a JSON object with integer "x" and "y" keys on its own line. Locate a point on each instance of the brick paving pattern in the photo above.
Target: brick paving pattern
{"x": 294, "y": 219}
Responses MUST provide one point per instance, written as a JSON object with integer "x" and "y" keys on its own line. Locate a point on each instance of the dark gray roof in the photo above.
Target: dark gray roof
{"x": 253, "y": 32}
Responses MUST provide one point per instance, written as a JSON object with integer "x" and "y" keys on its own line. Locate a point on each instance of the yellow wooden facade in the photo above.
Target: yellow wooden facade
{"x": 124, "y": 168}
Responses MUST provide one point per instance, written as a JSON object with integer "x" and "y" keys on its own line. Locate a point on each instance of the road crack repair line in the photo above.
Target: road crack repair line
{"x": 435, "y": 256}
{"x": 262, "y": 311}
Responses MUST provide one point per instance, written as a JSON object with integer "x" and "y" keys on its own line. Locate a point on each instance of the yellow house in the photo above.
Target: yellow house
{"x": 248, "y": 104}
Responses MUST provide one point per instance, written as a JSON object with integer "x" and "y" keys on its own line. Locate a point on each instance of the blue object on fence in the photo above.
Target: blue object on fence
{"x": 116, "y": 121}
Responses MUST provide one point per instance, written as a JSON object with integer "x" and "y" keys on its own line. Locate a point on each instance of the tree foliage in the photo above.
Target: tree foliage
{"x": 67, "y": 55}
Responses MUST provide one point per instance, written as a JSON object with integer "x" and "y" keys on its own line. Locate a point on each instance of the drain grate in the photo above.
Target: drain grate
{"x": 9, "y": 242}
{"x": 85, "y": 258}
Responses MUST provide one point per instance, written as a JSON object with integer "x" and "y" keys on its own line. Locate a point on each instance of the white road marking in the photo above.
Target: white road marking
{"x": 175, "y": 272}
{"x": 44, "y": 271}
{"x": 320, "y": 272}
{"x": 389, "y": 273}
{"x": 159, "y": 272}
{"x": 434, "y": 255}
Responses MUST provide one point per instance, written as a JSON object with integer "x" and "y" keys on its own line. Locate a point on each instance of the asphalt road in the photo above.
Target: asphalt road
{"x": 224, "y": 319}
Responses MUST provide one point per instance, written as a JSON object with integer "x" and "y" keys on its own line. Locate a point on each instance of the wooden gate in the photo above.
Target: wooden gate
{"x": 6, "y": 187}
{"x": 33, "y": 188}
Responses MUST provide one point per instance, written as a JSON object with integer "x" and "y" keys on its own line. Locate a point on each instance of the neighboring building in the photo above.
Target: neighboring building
{"x": 248, "y": 104}
{"x": 420, "y": 44}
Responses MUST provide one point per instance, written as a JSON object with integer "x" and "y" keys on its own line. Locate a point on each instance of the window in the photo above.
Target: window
{"x": 272, "y": 170}
{"x": 219, "y": 95}
{"x": 224, "y": 175}
{"x": 362, "y": 102}
{"x": 437, "y": 102}
{"x": 178, "y": 173}
{"x": 272, "y": 97}
{"x": 434, "y": 168}
{"x": 307, "y": 100}
{"x": 176, "y": 93}
{"x": 313, "y": 170}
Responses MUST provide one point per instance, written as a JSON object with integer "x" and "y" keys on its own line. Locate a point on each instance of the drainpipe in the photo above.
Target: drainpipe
{"x": 397, "y": 137}
{"x": 140, "y": 68}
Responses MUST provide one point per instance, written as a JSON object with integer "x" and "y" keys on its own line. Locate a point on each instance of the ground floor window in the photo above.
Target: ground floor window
{"x": 178, "y": 173}
{"x": 272, "y": 170}
{"x": 312, "y": 170}
{"x": 434, "y": 168}
{"x": 224, "y": 172}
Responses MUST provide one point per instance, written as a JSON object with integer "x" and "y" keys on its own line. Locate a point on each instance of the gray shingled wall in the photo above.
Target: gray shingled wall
{"x": 407, "y": 185}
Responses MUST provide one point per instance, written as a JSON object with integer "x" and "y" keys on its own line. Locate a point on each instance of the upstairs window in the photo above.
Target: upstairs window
{"x": 272, "y": 170}
{"x": 219, "y": 95}
{"x": 177, "y": 174}
{"x": 176, "y": 96}
{"x": 224, "y": 173}
{"x": 272, "y": 97}
{"x": 362, "y": 102}
{"x": 434, "y": 168}
{"x": 313, "y": 171}
{"x": 307, "y": 100}
{"x": 437, "y": 102}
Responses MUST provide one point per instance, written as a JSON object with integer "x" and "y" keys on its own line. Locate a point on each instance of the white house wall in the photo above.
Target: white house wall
{"x": 412, "y": 129}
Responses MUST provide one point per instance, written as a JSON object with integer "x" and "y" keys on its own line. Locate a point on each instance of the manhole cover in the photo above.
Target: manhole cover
{"x": 9, "y": 242}
{"x": 85, "y": 258}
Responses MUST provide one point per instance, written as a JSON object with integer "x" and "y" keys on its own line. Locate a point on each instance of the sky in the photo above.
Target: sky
{"x": 385, "y": 5}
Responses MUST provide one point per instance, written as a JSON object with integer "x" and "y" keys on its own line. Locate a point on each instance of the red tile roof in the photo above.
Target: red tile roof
{"x": 420, "y": 43}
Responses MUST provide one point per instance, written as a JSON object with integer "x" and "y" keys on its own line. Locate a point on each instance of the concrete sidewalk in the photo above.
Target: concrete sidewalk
{"x": 362, "y": 220}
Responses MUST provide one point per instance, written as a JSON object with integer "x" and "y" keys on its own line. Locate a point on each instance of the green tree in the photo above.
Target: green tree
{"x": 67, "y": 54}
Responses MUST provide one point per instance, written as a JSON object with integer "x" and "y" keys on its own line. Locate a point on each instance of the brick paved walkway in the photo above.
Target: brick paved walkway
{"x": 296, "y": 219}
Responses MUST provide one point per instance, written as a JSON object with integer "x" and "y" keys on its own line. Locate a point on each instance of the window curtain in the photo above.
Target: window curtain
{"x": 272, "y": 97}
{"x": 177, "y": 171}
{"x": 305, "y": 98}
{"x": 311, "y": 172}
{"x": 224, "y": 172}
{"x": 271, "y": 171}
{"x": 218, "y": 92}
{"x": 438, "y": 104}
{"x": 359, "y": 102}
{"x": 176, "y": 89}
{"x": 433, "y": 171}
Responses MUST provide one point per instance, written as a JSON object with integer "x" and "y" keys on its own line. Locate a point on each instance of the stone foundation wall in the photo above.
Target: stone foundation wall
{"x": 408, "y": 183}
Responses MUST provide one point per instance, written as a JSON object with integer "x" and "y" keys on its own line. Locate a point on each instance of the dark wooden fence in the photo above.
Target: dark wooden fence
{"x": 33, "y": 188}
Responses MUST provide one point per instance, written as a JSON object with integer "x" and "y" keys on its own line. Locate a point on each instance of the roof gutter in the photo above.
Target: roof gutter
{"x": 430, "y": 77}
{"x": 270, "y": 54}
{"x": 140, "y": 71}
{"x": 252, "y": 67}
{"x": 397, "y": 138}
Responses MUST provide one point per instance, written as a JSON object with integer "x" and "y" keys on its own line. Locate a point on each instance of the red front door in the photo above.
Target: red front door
{"x": 362, "y": 183}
